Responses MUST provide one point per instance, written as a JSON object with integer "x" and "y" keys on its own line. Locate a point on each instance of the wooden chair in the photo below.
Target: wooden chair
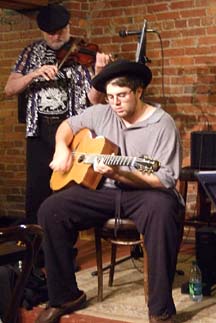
{"x": 19, "y": 243}
{"x": 127, "y": 235}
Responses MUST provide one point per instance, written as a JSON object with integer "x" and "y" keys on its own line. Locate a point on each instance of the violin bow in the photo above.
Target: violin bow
{"x": 71, "y": 49}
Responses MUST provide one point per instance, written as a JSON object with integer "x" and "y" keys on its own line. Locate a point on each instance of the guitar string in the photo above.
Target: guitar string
{"x": 118, "y": 158}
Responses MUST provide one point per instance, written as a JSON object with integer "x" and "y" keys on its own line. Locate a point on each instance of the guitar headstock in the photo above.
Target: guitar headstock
{"x": 147, "y": 165}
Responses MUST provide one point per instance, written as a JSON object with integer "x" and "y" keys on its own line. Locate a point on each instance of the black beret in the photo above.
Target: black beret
{"x": 121, "y": 67}
{"x": 52, "y": 18}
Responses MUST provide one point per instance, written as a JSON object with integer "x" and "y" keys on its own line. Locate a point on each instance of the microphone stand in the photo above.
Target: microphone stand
{"x": 141, "y": 46}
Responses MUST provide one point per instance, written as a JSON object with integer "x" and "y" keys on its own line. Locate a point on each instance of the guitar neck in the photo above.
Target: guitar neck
{"x": 146, "y": 163}
{"x": 110, "y": 160}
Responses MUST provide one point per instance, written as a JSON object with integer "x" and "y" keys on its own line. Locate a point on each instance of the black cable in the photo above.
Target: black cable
{"x": 162, "y": 67}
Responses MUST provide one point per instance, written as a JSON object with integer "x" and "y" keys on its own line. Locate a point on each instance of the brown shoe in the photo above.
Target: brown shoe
{"x": 53, "y": 314}
{"x": 160, "y": 319}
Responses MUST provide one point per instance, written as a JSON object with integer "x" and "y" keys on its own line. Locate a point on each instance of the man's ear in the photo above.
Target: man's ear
{"x": 140, "y": 92}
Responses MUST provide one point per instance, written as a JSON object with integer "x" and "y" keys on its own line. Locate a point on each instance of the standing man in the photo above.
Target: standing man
{"x": 52, "y": 94}
{"x": 138, "y": 128}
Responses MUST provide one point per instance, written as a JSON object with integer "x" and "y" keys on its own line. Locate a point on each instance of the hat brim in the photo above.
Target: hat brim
{"x": 121, "y": 68}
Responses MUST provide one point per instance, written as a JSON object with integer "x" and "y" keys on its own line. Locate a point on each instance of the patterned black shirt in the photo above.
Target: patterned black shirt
{"x": 65, "y": 95}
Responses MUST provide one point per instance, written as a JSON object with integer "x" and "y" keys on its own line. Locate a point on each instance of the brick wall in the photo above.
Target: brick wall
{"x": 187, "y": 79}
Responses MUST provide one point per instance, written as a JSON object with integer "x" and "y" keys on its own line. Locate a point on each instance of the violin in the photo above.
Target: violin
{"x": 76, "y": 50}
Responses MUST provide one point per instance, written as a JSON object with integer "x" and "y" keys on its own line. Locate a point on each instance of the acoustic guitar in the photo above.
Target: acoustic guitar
{"x": 85, "y": 150}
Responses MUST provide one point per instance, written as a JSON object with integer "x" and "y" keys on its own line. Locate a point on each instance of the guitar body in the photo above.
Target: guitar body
{"x": 80, "y": 172}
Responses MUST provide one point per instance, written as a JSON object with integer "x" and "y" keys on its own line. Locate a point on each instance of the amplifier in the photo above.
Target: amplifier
{"x": 206, "y": 256}
{"x": 203, "y": 150}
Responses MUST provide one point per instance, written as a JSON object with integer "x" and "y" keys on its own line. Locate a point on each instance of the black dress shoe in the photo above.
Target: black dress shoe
{"x": 53, "y": 314}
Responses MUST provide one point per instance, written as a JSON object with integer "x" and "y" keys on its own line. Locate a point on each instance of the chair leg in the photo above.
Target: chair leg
{"x": 98, "y": 247}
{"x": 145, "y": 273}
{"x": 112, "y": 263}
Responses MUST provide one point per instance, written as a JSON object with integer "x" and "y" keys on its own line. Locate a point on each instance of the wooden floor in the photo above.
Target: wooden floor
{"x": 86, "y": 259}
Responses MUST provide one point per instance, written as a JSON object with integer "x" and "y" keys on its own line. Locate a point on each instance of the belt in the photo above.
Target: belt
{"x": 51, "y": 120}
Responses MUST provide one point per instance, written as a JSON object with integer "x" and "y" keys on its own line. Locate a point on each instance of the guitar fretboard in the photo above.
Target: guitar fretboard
{"x": 116, "y": 160}
{"x": 111, "y": 160}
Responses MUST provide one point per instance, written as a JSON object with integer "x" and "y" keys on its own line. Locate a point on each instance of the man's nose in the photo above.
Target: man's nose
{"x": 55, "y": 37}
{"x": 116, "y": 99}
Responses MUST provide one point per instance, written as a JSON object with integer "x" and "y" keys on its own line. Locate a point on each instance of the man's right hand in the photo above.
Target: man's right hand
{"x": 62, "y": 159}
{"x": 48, "y": 72}
{"x": 17, "y": 82}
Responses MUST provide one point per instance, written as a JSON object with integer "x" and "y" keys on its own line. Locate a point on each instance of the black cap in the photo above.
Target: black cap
{"x": 52, "y": 18}
{"x": 121, "y": 67}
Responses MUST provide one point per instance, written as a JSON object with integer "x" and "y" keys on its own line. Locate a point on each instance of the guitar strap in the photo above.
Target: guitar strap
{"x": 117, "y": 212}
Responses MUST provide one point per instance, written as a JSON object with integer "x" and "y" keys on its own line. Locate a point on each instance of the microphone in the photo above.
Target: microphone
{"x": 125, "y": 33}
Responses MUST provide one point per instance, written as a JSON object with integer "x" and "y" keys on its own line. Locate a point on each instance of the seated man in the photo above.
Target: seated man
{"x": 138, "y": 128}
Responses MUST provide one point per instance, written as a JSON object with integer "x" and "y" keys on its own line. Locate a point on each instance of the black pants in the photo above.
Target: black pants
{"x": 39, "y": 153}
{"x": 156, "y": 214}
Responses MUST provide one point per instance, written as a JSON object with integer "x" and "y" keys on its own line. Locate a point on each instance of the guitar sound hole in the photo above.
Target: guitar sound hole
{"x": 81, "y": 158}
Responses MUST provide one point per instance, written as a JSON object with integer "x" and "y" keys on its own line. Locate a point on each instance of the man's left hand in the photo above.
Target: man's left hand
{"x": 102, "y": 60}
